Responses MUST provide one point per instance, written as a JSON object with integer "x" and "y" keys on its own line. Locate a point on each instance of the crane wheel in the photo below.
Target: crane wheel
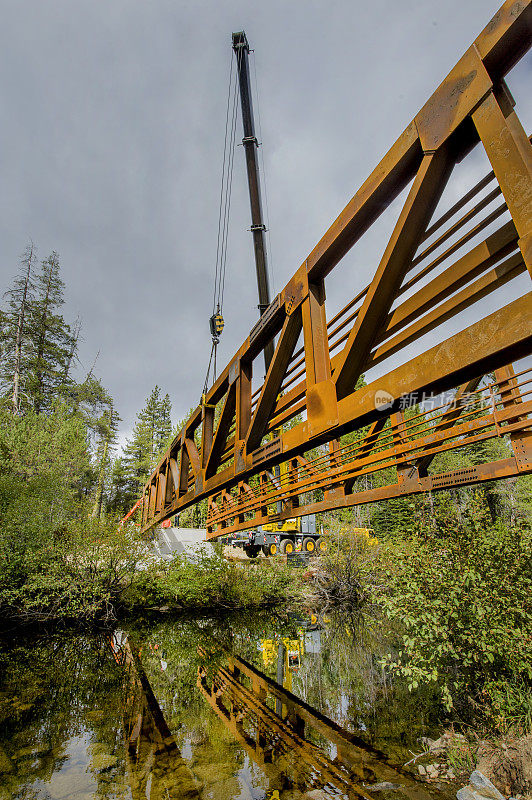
{"x": 252, "y": 550}
{"x": 309, "y": 545}
{"x": 322, "y": 545}
{"x": 270, "y": 549}
{"x": 287, "y": 546}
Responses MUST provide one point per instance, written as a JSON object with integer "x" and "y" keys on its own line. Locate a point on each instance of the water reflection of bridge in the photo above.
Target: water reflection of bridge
{"x": 275, "y": 726}
{"x": 284, "y": 735}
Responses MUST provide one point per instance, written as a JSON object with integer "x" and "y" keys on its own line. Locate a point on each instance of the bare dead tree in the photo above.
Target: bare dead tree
{"x": 90, "y": 372}
{"x": 27, "y": 263}
{"x": 73, "y": 347}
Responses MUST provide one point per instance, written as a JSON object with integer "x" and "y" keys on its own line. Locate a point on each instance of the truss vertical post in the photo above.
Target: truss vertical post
{"x": 293, "y": 500}
{"x": 153, "y": 494}
{"x": 407, "y": 472}
{"x": 322, "y": 413}
{"x": 161, "y": 492}
{"x": 521, "y": 442}
{"x": 207, "y": 431}
{"x": 243, "y": 410}
{"x": 169, "y": 487}
{"x": 184, "y": 466}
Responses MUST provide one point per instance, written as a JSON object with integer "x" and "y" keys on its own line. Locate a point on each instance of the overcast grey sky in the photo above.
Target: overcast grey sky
{"x": 111, "y": 137}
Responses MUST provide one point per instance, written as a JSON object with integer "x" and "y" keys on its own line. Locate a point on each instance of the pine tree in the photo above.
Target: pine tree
{"x": 72, "y": 355}
{"x": 92, "y": 401}
{"x": 165, "y": 433}
{"x": 151, "y": 435}
{"x": 37, "y": 362}
{"x": 52, "y": 344}
{"x": 39, "y": 349}
{"x": 107, "y": 438}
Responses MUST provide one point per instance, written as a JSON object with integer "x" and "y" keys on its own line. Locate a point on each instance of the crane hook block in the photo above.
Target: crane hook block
{"x": 216, "y": 324}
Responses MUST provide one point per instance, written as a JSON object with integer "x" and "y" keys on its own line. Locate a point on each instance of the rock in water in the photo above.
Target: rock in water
{"x": 466, "y": 793}
{"x": 385, "y": 786}
{"x": 480, "y": 788}
{"x": 484, "y": 786}
{"x": 433, "y": 771}
{"x": 103, "y": 761}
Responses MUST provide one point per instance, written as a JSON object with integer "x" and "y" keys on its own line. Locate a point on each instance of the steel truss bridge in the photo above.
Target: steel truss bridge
{"x": 438, "y": 265}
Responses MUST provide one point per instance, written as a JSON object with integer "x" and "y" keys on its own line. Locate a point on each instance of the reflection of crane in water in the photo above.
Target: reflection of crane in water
{"x": 287, "y": 653}
{"x": 273, "y": 725}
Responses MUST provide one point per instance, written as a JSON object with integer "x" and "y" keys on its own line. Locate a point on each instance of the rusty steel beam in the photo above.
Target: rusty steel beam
{"x": 420, "y": 204}
{"x": 431, "y": 272}
{"x": 406, "y": 448}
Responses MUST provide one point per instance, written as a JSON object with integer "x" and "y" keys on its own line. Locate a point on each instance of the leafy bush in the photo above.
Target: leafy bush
{"x": 211, "y": 581}
{"x": 464, "y": 603}
{"x": 80, "y": 573}
{"x": 352, "y": 571}
{"x": 510, "y": 703}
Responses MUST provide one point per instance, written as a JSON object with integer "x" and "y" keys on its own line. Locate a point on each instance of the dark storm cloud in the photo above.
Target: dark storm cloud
{"x": 111, "y": 136}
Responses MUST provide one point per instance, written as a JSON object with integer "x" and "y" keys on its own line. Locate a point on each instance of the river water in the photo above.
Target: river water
{"x": 248, "y": 708}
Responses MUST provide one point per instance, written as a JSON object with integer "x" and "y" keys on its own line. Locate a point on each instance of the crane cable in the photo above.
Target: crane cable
{"x": 216, "y": 321}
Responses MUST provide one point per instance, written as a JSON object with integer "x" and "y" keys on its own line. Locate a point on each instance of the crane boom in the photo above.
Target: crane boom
{"x": 250, "y": 144}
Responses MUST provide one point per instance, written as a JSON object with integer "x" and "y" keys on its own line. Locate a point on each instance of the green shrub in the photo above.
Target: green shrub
{"x": 463, "y": 600}
{"x": 79, "y": 574}
{"x": 353, "y": 570}
{"x": 510, "y": 703}
{"x": 461, "y": 756}
{"x": 208, "y": 581}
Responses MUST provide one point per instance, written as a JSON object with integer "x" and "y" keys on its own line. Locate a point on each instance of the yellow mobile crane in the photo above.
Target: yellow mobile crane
{"x": 293, "y": 535}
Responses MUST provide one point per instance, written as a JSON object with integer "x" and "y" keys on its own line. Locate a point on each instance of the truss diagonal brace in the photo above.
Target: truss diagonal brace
{"x": 510, "y": 152}
{"x": 448, "y": 419}
{"x": 222, "y": 432}
{"x": 416, "y": 214}
{"x": 283, "y": 353}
